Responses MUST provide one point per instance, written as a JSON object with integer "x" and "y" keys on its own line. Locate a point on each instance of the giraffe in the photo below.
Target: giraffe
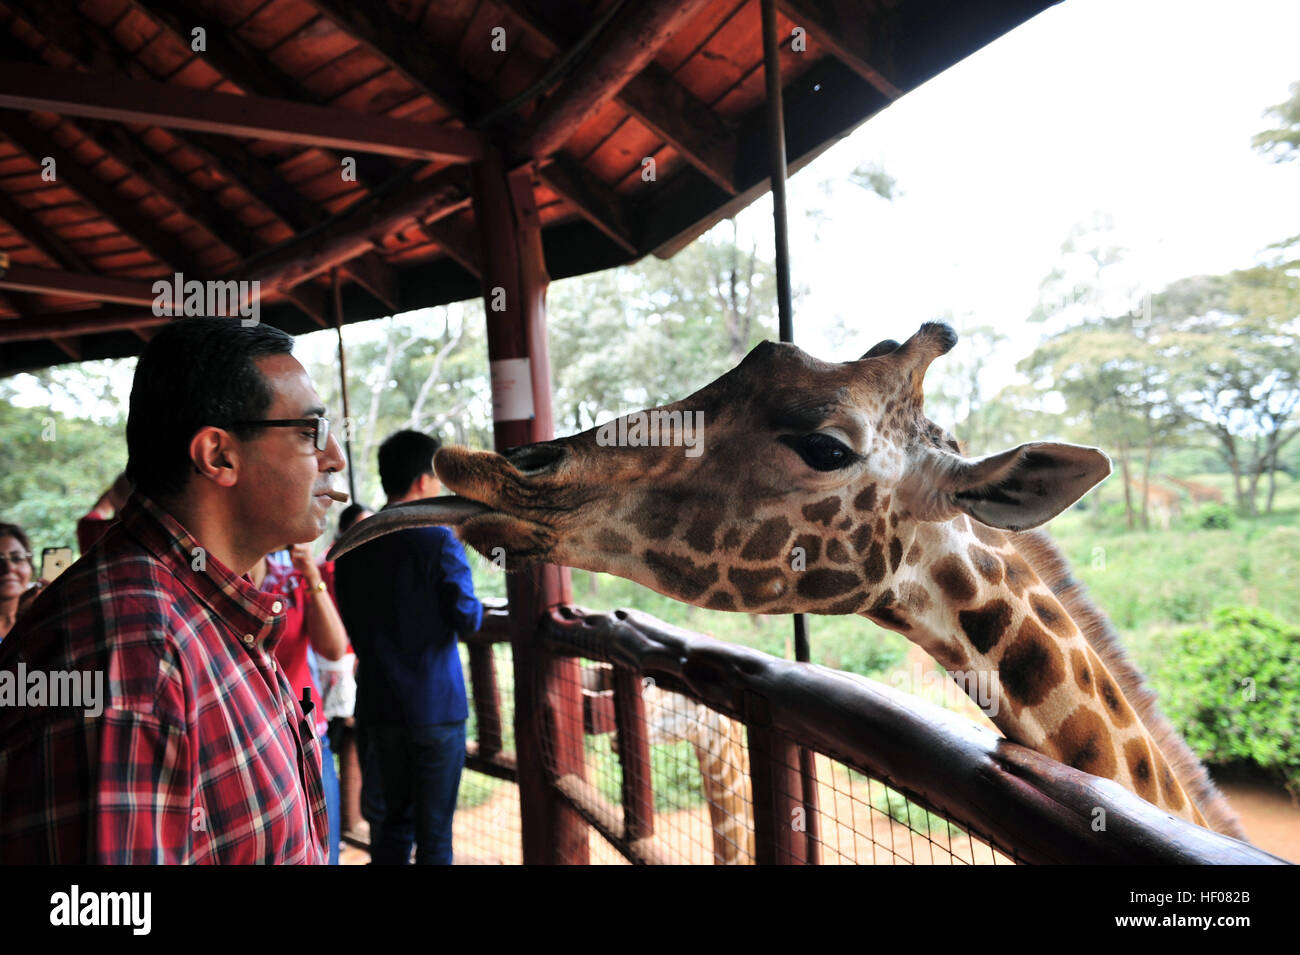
{"x": 1199, "y": 493}
{"x": 821, "y": 487}
{"x": 719, "y": 746}
{"x": 1162, "y": 503}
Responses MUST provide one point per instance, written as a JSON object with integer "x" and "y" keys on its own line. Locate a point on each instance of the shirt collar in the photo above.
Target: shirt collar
{"x": 234, "y": 599}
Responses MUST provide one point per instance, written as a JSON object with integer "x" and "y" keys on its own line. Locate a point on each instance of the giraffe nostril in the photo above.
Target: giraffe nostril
{"x": 535, "y": 457}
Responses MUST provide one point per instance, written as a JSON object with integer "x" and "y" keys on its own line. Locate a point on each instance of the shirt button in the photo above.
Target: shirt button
{"x": 277, "y": 607}
{"x": 273, "y": 664}
{"x": 248, "y": 639}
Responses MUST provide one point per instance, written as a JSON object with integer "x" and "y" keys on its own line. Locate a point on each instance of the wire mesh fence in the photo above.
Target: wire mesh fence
{"x": 698, "y": 807}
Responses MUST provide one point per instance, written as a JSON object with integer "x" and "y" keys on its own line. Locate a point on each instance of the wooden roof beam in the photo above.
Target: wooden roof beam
{"x": 87, "y": 44}
{"x": 68, "y": 93}
{"x": 637, "y": 32}
{"x": 376, "y": 276}
{"x": 23, "y": 221}
{"x": 38, "y": 143}
{"x": 359, "y": 229}
{"x": 656, "y": 99}
{"x": 851, "y": 31}
{"x": 100, "y": 288}
{"x": 600, "y": 205}
{"x": 401, "y": 45}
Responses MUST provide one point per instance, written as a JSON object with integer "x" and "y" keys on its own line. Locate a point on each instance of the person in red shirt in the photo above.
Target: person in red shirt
{"x": 174, "y": 735}
{"x": 312, "y": 625}
{"x": 99, "y": 518}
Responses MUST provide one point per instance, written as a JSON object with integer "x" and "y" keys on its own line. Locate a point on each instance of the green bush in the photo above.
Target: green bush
{"x": 1232, "y": 691}
{"x": 1215, "y": 517}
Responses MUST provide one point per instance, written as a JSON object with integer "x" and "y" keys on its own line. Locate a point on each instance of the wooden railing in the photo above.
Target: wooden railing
{"x": 1025, "y": 805}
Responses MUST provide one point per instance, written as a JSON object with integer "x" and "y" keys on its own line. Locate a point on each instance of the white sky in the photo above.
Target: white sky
{"x": 1139, "y": 109}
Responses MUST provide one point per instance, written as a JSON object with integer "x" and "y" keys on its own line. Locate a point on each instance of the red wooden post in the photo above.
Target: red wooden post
{"x": 487, "y": 698}
{"x": 548, "y": 699}
{"x": 633, "y": 755}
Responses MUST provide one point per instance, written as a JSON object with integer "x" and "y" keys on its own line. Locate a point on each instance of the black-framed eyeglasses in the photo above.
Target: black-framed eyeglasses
{"x": 320, "y": 425}
{"x": 15, "y": 557}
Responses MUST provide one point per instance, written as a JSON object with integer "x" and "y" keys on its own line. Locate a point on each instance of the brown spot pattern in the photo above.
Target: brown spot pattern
{"x": 953, "y": 578}
{"x": 680, "y": 576}
{"x": 721, "y": 600}
{"x": 861, "y": 538}
{"x": 835, "y": 551}
{"x": 768, "y": 541}
{"x": 913, "y": 597}
{"x": 1084, "y": 743}
{"x": 866, "y": 498}
{"x": 1173, "y": 795}
{"x": 731, "y": 539}
{"x": 1082, "y": 672}
{"x": 874, "y": 566}
{"x": 845, "y": 524}
{"x": 754, "y": 586}
{"x": 612, "y": 542}
{"x": 913, "y": 555}
{"x": 987, "y": 535}
{"x": 700, "y": 535}
{"x": 984, "y": 627}
{"x": 895, "y": 553}
{"x": 1032, "y": 666}
{"x": 1019, "y": 575}
{"x": 812, "y": 547}
{"x": 1120, "y": 712}
{"x": 987, "y": 563}
{"x": 848, "y": 605}
{"x": 822, "y": 511}
{"x": 657, "y": 514}
{"x": 1138, "y": 757}
{"x": 1051, "y": 615}
{"x": 825, "y": 582}
{"x": 950, "y": 656}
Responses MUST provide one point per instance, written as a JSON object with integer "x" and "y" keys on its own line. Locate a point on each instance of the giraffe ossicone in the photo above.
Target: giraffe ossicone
{"x": 836, "y": 464}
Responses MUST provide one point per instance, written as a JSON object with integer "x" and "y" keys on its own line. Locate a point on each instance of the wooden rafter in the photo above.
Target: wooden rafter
{"x": 601, "y": 206}
{"x": 655, "y": 98}
{"x": 854, "y": 34}
{"x": 634, "y": 36}
{"x": 39, "y": 144}
{"x": 100, "y": 288}
{"x": 41, "y": 89}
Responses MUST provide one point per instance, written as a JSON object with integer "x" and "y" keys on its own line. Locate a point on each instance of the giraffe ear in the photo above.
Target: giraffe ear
{"x": 1013, "y": 490}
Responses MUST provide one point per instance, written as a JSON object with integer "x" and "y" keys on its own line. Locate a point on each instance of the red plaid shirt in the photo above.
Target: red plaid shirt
{"x": 201, "y": 752}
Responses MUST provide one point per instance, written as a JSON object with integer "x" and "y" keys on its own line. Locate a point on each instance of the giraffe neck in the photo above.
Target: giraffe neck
{"x": 724, "y": 776}
{"x": 1015, "y": 648}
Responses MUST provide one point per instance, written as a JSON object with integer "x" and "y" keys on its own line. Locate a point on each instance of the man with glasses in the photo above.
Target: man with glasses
{"x": 203, "y": 752}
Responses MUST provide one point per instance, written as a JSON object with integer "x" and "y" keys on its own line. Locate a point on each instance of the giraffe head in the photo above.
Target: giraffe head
{"x": 778, "y": 488}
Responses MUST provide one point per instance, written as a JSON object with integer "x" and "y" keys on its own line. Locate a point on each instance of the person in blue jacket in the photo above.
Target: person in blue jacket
{"x": 404, "y": 598}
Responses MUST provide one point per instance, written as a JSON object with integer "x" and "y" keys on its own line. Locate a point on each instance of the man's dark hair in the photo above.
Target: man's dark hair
{"x": 196, "y": 372}
{"x": 350, "y": 514}
{"x": 403, "y": 457}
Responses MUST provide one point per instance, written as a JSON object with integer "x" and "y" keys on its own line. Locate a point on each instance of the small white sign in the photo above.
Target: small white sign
{"x": 512, "y": 390}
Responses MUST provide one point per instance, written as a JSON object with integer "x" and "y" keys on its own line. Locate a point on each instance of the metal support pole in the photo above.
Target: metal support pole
{"x": 343, "y": 383}
{"x": 785, "y": 319}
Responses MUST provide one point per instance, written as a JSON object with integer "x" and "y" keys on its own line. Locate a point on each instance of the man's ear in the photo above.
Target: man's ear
{"x": 1013, "y": 490}
{"x": 213, "y": 455}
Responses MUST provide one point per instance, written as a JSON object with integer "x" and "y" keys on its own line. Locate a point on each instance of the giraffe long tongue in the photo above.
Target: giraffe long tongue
{"x": 449, "y": 511}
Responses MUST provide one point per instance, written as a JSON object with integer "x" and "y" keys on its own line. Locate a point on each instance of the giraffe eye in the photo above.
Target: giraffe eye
{"x": 821, "y": 452}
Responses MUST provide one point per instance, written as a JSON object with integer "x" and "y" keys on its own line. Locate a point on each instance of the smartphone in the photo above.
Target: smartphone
{"x": 54, "y": 561}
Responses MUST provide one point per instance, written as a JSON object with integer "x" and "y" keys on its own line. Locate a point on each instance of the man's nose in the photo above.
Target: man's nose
{"x": 332, "y": 459}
